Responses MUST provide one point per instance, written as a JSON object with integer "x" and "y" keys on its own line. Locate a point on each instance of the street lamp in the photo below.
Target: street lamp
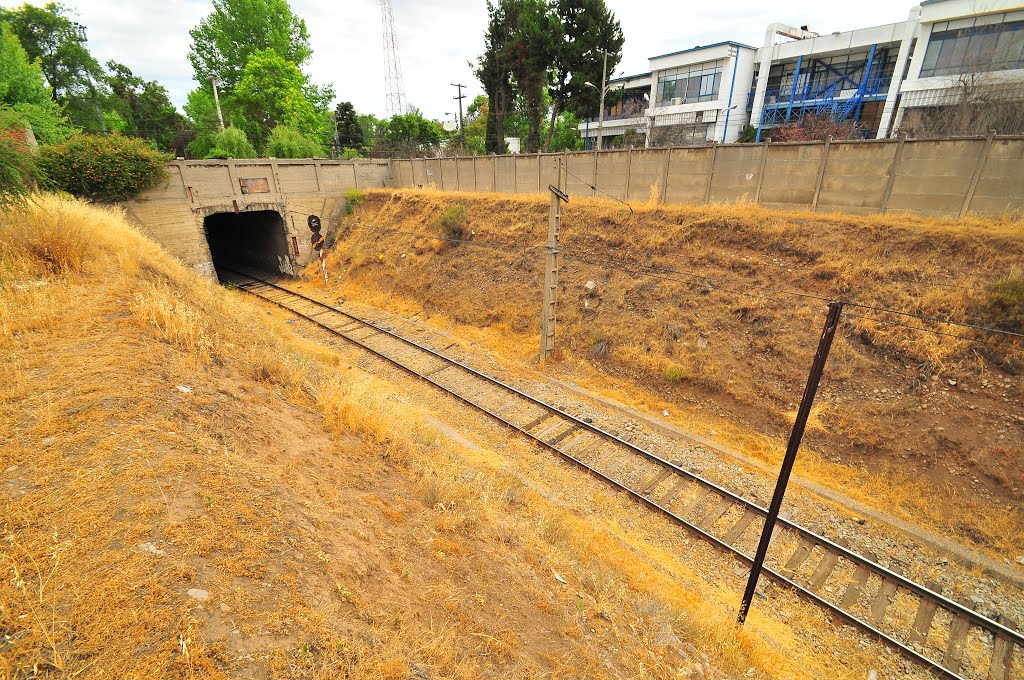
{"x": 604, "y": 91}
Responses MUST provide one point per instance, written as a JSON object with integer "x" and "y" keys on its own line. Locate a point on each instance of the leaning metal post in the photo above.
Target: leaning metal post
{"x": 835, "y": 309}
{"x": 547, "y": 322}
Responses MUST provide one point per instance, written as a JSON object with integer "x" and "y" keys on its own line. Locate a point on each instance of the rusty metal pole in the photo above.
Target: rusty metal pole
{"x": 835, "y": 309}
{"x": 547, "y": 322}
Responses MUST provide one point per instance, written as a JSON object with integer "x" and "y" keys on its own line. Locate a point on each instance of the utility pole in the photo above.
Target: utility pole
{"x": 547, "y": 322}
{"x": 216, "y": 98}
{"x": 462, "y": 130}
{"x": 600, "y": 113}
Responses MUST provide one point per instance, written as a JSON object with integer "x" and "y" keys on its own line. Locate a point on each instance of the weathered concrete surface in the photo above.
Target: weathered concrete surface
{"x": 174, "y": 212}
{"x": 931, "y": 177}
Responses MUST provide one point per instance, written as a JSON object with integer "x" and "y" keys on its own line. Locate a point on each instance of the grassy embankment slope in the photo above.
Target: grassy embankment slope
{"x": 925, "y": 426}
{"x": 188, "y": 492}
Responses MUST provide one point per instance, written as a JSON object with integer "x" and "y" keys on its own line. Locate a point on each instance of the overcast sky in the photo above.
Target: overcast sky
{"x": 437, "y": 38}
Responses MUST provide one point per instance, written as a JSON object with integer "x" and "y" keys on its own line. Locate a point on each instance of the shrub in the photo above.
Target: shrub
{"x": 18, "y": 170}
{"x": 675, "y": 373}
{"x": 231, "y": 142}
{"x": 453, "y": 222}
{"x": 349, "y": 153}
{"x": 353, "y": 197}
{"x": 103, "y": 168}
{"x": 1005, "y": 304}
{"x": 287, "y": 142}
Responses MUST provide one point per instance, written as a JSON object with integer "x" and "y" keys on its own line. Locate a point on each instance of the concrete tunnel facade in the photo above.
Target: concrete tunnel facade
{"x": 250, "y": 211}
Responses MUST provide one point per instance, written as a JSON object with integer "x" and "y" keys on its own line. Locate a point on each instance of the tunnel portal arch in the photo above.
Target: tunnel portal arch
{"x": 253, "y": 238}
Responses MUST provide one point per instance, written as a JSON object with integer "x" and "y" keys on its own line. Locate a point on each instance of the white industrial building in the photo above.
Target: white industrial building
{"x": 884, "y": 78}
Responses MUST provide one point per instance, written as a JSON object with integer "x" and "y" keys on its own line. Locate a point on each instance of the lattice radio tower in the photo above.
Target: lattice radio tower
{"x": 394, "y": 90}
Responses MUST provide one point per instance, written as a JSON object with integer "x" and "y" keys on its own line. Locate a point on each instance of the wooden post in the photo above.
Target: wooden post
{"x": 664, "y": 175}
{"x": 982, "y": 159}
{"x": 711, "y": 172}
{"x": 547, "y": 323}
{"x": 760, "y": 172}
{"x": 897, "y": 159}
{"x": 821, "y": 172}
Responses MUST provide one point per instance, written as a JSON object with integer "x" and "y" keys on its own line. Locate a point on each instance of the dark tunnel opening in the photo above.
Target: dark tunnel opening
{"x": 256, "y": 239}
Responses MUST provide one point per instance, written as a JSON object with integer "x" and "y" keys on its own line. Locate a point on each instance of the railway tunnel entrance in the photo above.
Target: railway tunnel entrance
{"x": 256, "y": 239}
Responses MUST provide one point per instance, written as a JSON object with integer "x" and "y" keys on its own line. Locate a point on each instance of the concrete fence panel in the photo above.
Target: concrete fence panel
{"x": 688, "y": 171}
{"x": 646, "y": 168}
{"x": 856, "y": 176}
{"x": 432, "y": 173}
{"x": 579, "y": 173}
{"x": 1002, "y": 178}
{"x": 934, "y": 175}
{"x": 297, "y": 178}
{"x": 505, "y": 174}
{"x": 548, "y": 164}
{"x": 790, "y": 175}
{"x": 464, "y": 173}
{"x": 527, "y": 175}
{"x": 736, "y": 172}
{"x": 403, "y": 173}
{"x": 449, "y": 174}
{"x": 209, "y": 179}
{"x": 337, "y": 177}
{"x": 483, "y": 170}
{"x": 612, "y": 173}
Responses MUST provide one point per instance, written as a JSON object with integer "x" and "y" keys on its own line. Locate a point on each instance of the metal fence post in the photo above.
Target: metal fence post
{"x": 828, "y": 332}
{"x": 977, "y": 174}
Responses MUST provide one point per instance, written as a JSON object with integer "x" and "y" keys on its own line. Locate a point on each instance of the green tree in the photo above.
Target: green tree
{"x": 494, "y": 72}
{"x": 349, "y": 131}
{"x": 531, "y": 51}
{"x": 586, "y": 28}
{"x": 224, "y": 41}
{"x": 48, "y": 33}
{"x": 475, "y": 124}
{"x": 287, "y": 142}
{"x": 202, "y": 115}
{"x": 23, "y": 89}
{"x": 274, "y": 91}
{"x": 408, "y": 134}
{"x": 145, "y": 107}
{"x": 231, "y": 142}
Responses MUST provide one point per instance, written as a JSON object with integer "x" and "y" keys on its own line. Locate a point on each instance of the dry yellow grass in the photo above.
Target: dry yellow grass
{"x": 895, "y": 403}
{"x": 158, "y": 435}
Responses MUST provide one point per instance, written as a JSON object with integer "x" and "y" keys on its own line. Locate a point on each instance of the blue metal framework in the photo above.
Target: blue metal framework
{"x": 842, "y": 95}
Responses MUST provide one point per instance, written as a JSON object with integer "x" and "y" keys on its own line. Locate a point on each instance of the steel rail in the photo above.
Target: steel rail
{"x": 992, "y": 626}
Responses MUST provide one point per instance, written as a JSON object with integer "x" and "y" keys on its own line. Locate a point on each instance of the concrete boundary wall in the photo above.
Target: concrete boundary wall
{"x": 173, "y": 213}
{"x": 938, "y": 177}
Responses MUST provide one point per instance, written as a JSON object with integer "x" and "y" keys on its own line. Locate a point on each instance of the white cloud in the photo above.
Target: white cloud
{"x": 436, "y": 38}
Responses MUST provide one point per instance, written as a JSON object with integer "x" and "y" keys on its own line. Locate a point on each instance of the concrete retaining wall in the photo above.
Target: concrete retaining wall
{"x": 932, "y": 177}
{"x": 173, "y": 212}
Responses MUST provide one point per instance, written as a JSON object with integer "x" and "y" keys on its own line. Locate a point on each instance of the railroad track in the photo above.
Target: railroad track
{"x": 944, "y": 635}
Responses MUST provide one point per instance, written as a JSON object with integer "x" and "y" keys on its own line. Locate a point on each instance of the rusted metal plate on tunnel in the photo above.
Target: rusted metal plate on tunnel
{"x": 254, "y": 185}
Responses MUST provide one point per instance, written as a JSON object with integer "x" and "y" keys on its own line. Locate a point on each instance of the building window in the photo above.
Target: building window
{"x": 694, "y": 83}
{"x": 974, "y": 49}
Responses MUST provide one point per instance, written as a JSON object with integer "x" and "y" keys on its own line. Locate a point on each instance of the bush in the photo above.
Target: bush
{"x": 103, "y": 168}
{"x": 353, "y": 197}
{"x": 18, "y": 170}
{"x": 675, "y": 373}
{"x": 1005, "y": 304}
{"x": 231, "y": 142}
{"x": 348, "y": 153}
{"x": 453, "y": 222}
{"x": 287, "y": 142}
